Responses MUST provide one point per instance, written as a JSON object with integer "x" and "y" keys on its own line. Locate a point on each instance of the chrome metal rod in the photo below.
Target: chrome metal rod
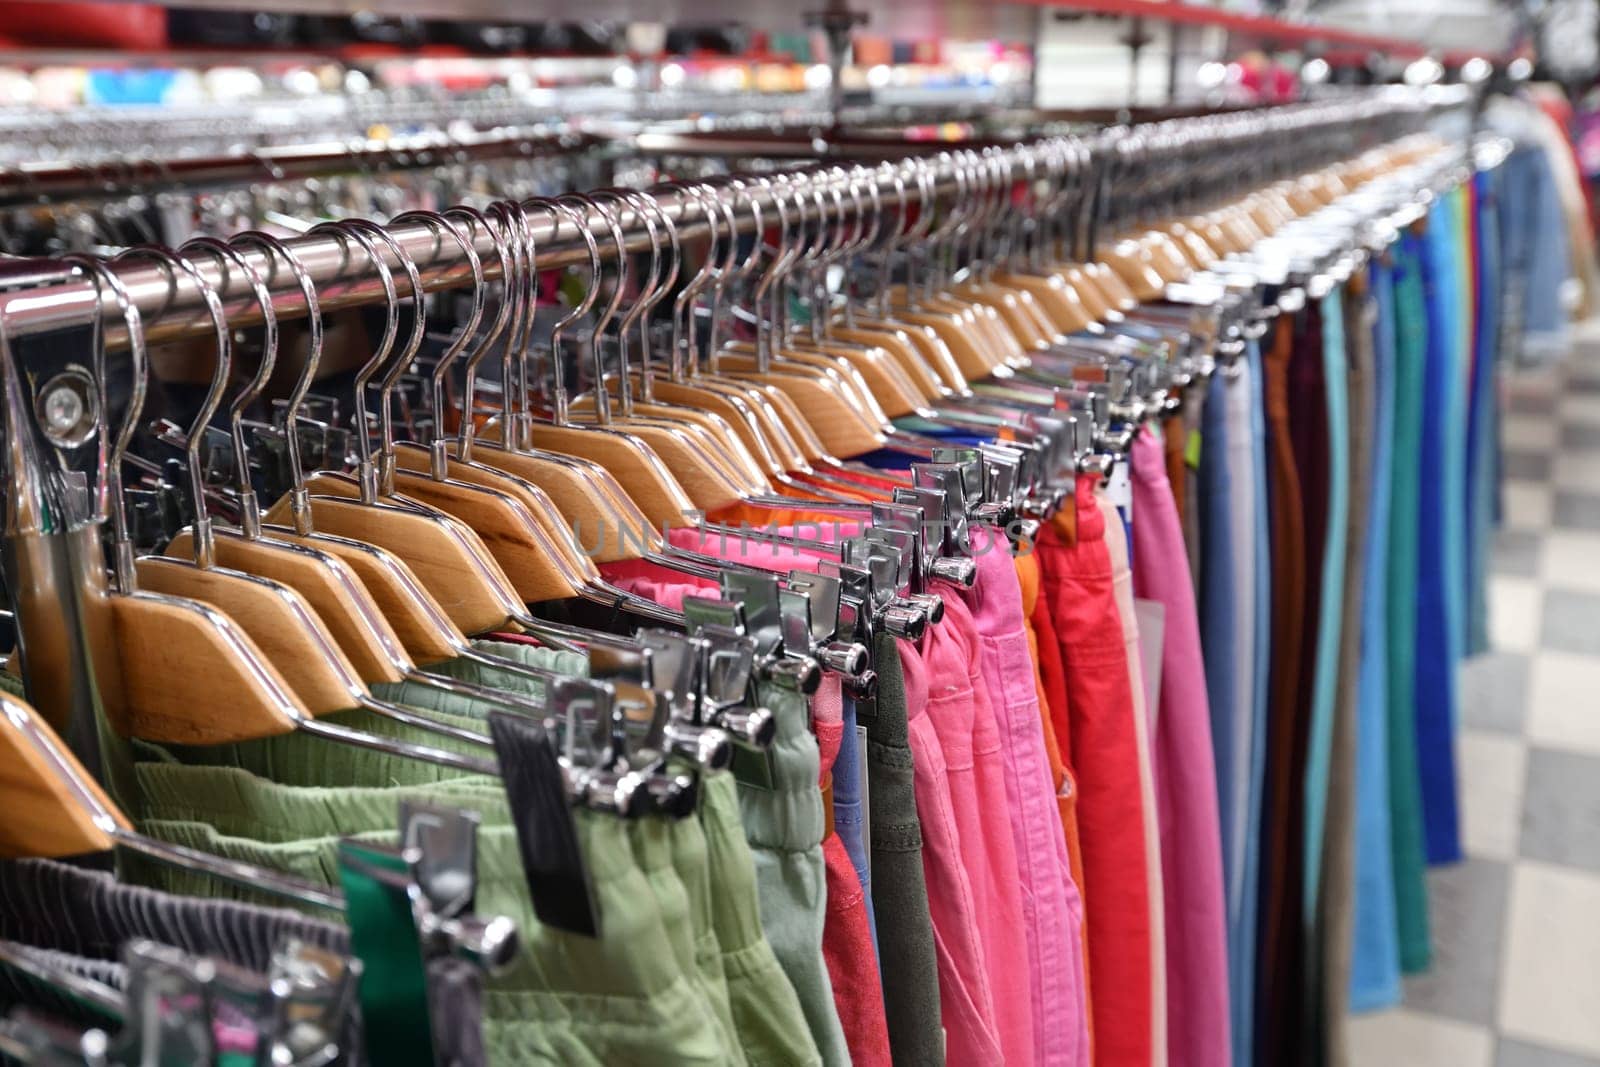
{"x": 56, "y": 181}
{"x": 343, "y": 276}
{"x": 173, "y": 308}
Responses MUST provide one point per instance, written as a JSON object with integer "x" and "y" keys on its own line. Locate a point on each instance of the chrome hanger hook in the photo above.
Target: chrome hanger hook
{"x": 492, "y": 223}
{"x": 249, "y": 506}
{"x": 173, "y": 263}
{"x": 604, "y": 204}
{"x": 366, "y": 470}
{"x": 560, "y": 211}
{"x": 299, "y": 499}
{"x": 438, "y": 460}
{"x": 123, "y": 574}
{"x": 392, "y": 374}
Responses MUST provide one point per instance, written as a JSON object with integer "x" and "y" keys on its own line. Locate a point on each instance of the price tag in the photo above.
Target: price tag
{"x": 1119, "y": 488}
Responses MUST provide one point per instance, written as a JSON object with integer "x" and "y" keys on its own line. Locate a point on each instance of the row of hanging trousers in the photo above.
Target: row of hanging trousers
{"x": 1196, "y": 749}
{"x": 1346, "y": 489}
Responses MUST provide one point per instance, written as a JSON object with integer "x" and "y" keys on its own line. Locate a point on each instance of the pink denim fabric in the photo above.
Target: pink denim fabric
{"x": 1051, "y": 907}
{"x": 958, "y": 702}
{"x": 966, "y": 1003}
{"x": 1191, "y": 844}
{"x": 661, "y": 584}
{"x": 780, "y": 557}
{"x": 1116, "y": 538}
{"x": 668, "y": 587}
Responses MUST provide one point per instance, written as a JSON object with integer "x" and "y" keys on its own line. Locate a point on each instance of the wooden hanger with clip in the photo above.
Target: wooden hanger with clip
{"x": 447, "y": 557}
{"x": 329, "y": 585}
{"x": 278, "y": 619}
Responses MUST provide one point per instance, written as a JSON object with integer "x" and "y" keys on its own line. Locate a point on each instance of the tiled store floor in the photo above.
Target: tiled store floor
{"x": 1516, "y": 927}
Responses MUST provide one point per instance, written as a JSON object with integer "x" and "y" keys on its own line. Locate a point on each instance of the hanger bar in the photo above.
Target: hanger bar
{"x": 59, "y": 180}
{"x": 174, "y": 309}
{"x": 241, "y": 874}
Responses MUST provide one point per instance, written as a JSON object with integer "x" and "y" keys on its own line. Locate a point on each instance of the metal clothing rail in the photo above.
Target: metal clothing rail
{"x": 39, "y": 295}
{"x": 56, "y": 181}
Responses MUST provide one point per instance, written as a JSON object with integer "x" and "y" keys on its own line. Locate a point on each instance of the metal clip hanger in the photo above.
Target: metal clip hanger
{"x": 604, "y": 519}
{"x": 331, "y": 588}
{"x": 280, "y": 621}
{"x": 539, "y": 568}
{"x": 422, "y": 625}
{"x": 771, "y": 422}
{"x": 698, "y": 452}
{"x": 446, "y": 558}
{"x": 181, "y": 706}
{"x": 646, "y": 479}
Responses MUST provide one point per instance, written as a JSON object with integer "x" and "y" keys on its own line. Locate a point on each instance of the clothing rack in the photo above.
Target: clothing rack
{"x": 997, "y": 444}
{"x": 173, "y": 308}
{"x": 56, "y": 181}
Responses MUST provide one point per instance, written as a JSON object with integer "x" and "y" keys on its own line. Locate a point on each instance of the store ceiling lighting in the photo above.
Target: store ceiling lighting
{"x": 1476, "y": 70}
{"x": 1425, "y": 71}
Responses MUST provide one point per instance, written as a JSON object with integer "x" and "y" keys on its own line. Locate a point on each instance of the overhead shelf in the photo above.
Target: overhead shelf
{"x": 1302, "y": 35}
{"x": 910, "y": 19}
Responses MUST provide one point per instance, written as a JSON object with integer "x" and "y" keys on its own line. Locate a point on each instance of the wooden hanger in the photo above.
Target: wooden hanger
{"x": 896, "y": 392}
{"x": 499, "y": 504}
{"x": 927, "y": 341}
{"x": 1020, "y": 314}
{"x": 637, "y": 468}
{"x": 186, "y": 673}
{"x": 53, "y": 807}
{"x": 957, "y": 324}
{"x": 177, "y": 660}
{"x": 446, "y": 557}
{"x": 416, "y": 619}
{"x": 523, "y": 496}
{"x": 277, "y": 618}
{"x": 729, "y": 429}
{"x": 530, "y": 554}
{"x": 837, "y": 402}
{"x": 921, "y": 380}
{"x": 705, "y": 431}
{"x": 1065, "y": 302}
{"x": 330, "y": 586}
{"x": 838, "y": 412}
{"x": 759, "y": 413}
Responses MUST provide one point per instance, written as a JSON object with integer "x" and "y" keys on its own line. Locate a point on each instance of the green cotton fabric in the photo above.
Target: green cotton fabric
{"x": 762, "y": 1008}
{"x": 785, "y": 826}
{"x": 619, "y": 998}
{"x": 772, "y": 1025}
{"x": 1405, "y": 785}
{"x": 680, "y": 895}
{"x": 691, "y": 860}
{"x": 653, "y": 844}
{"x": 300, "y": 759}
{"x": 431, "y": 698}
